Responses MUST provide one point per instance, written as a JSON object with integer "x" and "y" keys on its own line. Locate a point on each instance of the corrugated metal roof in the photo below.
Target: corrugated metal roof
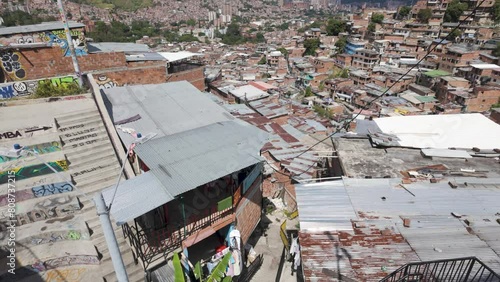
{"x": 445, "y": 153}
{"x": 150, "y": 56}
{"x": 134, "y": 197}
{"x": 47, "y": 26}
{"x": 165, "y": 109}
{"x": 324, "y": 207}
{"x": 427, "y": 234}
{"x": 186, "y": 160}
{"x": 377, "y": 238}
{"x": 126, "y": 47}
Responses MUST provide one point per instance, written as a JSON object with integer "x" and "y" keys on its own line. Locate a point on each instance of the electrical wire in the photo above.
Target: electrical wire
{"x": 392, "y": 85}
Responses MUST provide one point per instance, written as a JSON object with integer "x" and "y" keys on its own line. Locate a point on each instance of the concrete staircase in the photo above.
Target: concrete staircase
{"x": 94, "y": 166}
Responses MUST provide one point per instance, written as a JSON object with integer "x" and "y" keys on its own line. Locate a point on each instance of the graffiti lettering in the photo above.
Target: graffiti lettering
{"x": 11, "y": 65}
{"x": 9, "y": 134}
{"x": 83, "y": 143}
{"x": 51, "y": 189}
{"x": 104, "y": 82}
{"x": 26, "y": 88}
{"x": 71, "y": 260}
{"x": 79, "y": 132}
{"x": 69, "y": 98}
{"x": 62, "y": 129}
{"x": 64, "y": 275}
{"x": 34, "y": 170}
{"x": 82, "y": 137}
{"x": 7, "y": 92}
{"x": 85, "y": 171}
{"x": 62, "y": 207}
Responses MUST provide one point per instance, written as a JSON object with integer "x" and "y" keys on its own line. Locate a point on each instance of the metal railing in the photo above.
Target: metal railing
{"x": 152, "y": 244}
{"x": 452, "y": 270}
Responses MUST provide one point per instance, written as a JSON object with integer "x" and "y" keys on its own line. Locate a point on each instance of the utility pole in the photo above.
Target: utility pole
{"x": 70, "y": 42}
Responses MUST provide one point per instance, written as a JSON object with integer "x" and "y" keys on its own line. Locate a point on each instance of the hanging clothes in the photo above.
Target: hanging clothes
{"x": 235, "y": 239}
{"x": 295, "y": 252}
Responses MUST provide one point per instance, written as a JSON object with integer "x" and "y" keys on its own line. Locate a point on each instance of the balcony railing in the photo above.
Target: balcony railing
{"x": 151, "y": 245}
{"x": 452, "y": 270}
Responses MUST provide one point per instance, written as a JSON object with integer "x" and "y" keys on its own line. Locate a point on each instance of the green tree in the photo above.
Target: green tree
{"x": 424, "y": 15}
{"x": 283, "y": 51}
{"x": 259, "y": 38}
{"x": 495, "y": 11}
{"x": 340, "y": 44}
{"x": 191, "y": 22}
{"x": 372, "y": 27}
{"x": 344, "y": 73}
{"x": 284, "y": 26}
{"x": 377, "y": 18}
{"x": 454, "y": 11}
{"x": 22, "y": 18}
{"x": 454, "y": 34}
{"x": 335, "y": 26}
{"x": 262, "y": 61}
{"x": 311, "y": 45}
{"x": 187, "y": 38}
{"x": 233, "y": 35}
{"x": 496, "y": 51}
{"x": 308, "y": 92}
{"x": 403, "y": 12}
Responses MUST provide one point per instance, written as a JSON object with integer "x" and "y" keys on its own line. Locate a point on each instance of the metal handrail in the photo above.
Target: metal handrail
{"x": 456, "y": 270}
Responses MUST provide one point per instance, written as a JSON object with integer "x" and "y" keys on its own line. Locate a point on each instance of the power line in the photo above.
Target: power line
{"x": 392, "y": 85}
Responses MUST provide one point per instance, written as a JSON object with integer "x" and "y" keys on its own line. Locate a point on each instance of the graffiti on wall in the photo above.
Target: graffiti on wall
{"x": 38, "y": 191}
{"x": 33, "y": 171}
{"x": 51, "y": 189}
{"x": 25, "y": 39}
{"x": 52, "y": 209}
{"x": 43, "y": 148}
{"x": 26, "y": 88}
{"x": 64, "y": 275}
{"x": 11, "y": 65}
{"x": 104, "y": 82}
{"x": 58, "y": 38}
{"x": 56, "y": 236}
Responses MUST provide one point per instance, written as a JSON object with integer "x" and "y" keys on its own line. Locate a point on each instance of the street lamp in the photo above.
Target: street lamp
{"x": 103, "y": 213}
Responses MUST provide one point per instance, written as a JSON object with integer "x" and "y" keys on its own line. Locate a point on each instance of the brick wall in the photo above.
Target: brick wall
{"x": 248, "y": 212}
{"x": 50, "y": 62}
{"x": 193, "y": 76}
{"x": 146, "y": 63}
{"x": 146, "y": 75}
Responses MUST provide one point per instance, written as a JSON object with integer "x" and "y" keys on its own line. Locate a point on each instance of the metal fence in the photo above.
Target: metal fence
{"x": 468, "y": 269}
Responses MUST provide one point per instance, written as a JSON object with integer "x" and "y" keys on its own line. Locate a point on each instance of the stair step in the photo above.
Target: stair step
{"x": 97, "y": 183}
{"x": 90, "y": 160}
{"x": 84, "y": 154}
{"x": 91, "y": 189}
{"x": 86, "y": 143}
{"x": 72, "y": 128}
{"x": 86, "y": 148}
{"x": 80, "y": 115}
{"x": 83, "y": 135}
{"x": 89, "y": 169}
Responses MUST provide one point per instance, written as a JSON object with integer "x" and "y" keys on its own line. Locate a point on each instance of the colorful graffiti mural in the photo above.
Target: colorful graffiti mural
{"x": 33, "y": 171}
{"x": 11, "y": 65}
{"x": 104, "y": 82}
{"x": 26, "y": 88}
{"x": 51, "y": 189}
{"x": 43, "y": 148}
{"x": 58, "y": 37}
